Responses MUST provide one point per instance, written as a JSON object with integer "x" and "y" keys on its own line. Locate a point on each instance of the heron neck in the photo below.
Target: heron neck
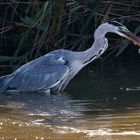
{"x": 98, "y": 48}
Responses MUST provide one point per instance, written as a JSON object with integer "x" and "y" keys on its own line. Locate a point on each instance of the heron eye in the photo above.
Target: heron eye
{"x": 120, "y": 28}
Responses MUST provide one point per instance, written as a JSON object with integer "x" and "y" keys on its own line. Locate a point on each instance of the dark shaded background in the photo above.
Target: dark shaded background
{"x": 31, "y": 28}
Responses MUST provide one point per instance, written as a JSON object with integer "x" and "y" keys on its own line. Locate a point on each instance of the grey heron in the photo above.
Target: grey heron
{"x": 54, "y": 70}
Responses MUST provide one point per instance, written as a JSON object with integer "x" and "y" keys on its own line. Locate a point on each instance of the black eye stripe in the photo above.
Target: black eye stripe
{"x": 115, "y": 23}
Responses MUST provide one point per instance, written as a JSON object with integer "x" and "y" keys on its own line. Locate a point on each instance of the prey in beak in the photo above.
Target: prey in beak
{"x": 130, "y": 36}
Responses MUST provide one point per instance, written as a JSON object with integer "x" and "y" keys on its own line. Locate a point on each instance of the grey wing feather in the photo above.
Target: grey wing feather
{"x": 44, "y": 73}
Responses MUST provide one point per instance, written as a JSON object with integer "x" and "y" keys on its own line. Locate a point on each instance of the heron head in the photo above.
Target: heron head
{"x": 121, "y": 30}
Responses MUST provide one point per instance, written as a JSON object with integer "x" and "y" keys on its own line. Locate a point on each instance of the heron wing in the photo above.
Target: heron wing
{"x": 44, "y": 73}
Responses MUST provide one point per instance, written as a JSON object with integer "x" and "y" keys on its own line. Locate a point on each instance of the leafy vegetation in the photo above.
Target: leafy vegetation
{"x": 29, "y": 29}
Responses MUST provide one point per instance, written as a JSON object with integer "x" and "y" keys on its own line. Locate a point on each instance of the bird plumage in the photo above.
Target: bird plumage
{"x": 54, "y": 70}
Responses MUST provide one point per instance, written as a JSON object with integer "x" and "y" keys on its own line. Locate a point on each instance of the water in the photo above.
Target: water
{"x": 101, "y": 103}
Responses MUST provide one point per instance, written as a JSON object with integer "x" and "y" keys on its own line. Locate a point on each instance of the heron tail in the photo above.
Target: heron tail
{"x": 4, "y": 80}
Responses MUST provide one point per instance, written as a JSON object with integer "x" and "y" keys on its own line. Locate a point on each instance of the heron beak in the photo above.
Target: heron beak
{"x": 130, "y": 36}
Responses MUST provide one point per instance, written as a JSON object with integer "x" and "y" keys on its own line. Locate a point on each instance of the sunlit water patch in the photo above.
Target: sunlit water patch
{"x": 97, "y": 105}
{"x": 133, "y": 89}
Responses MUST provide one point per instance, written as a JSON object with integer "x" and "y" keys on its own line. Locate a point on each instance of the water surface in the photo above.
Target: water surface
{"x": 101, "y": 103}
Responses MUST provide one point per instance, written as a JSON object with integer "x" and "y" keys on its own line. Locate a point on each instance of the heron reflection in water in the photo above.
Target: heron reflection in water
{"x": 53, "y": 71}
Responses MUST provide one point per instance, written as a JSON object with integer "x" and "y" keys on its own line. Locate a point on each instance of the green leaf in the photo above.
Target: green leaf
{"x": 7, "y": 58}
